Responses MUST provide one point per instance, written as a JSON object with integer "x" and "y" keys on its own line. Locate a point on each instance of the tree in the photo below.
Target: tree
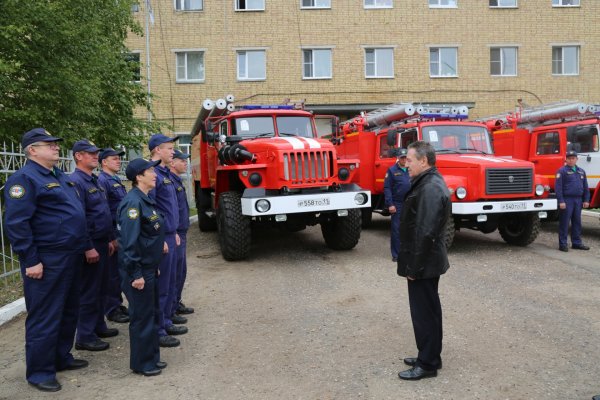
{"x": 64, "y": 67}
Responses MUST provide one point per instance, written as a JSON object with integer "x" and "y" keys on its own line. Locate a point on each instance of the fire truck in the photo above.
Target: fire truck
{"x": 264, "y": 164}
{"x": 488, "y": 192}
{"x": 545, "y": 133}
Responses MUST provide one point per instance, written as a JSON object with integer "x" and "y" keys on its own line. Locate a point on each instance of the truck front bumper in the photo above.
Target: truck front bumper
{"x": 352, "y": 196}
{"x": 501, "y": 207}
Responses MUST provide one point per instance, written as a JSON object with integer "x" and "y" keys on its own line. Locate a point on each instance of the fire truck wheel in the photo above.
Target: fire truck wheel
{"x": 366, "y": 217}
{"x": 205, "y": 222}
{"x": 450, "y": 230}
{"x": 234, "y": 228}
{"x": 342, "y": 233}
{"x": 519, "y": 229}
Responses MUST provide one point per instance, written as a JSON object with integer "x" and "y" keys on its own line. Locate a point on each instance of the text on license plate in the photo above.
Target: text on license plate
{"x": 314, "y": 202}
{"x": 514, "y": 206}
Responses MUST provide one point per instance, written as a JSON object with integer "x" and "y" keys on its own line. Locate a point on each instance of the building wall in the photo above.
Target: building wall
{"x": 283, "y": 28}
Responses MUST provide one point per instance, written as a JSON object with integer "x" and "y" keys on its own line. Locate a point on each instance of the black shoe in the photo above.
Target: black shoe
{"x": 178, "y": 319}
{"x": 182, "y": 309}
{"x": 168, "y": 341}
{"x": 176, "y": 330}
{"x": 580, "y": 247}
{"x": 152, "y": 372}
{"x": 118, "y": 316}
{"x": 124, "y": 310}
{"x": 48, "y": 386}
{"x": 596, "y": 397}
{"x": 412, "y": 361}
{"x": 416, "y": 373}
{"x": 161, "y": 365}
{"x": 98, "y": 345}
{"x": 563, "y": 248}
{"x": 108, "y": 332}
{"x": 75, "y": 364}
{"x": 394, "y": 259}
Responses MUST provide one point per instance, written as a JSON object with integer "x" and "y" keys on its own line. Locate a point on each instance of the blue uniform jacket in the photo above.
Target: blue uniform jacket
{"x": 571, "y": 183}
{"x": 43, "y": 213}
{"x": 115, "y": 192}
{"x": 395, "y": 185}
{"x": 165, "y": 196}
{"x": 141, "y": 234}
{"x": 95, "y": 204}
{"x": 184, "y": 208}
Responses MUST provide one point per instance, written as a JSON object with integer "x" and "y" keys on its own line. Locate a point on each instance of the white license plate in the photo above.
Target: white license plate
{"x": 514, "y": 206}
{"x": 314, "y": 202}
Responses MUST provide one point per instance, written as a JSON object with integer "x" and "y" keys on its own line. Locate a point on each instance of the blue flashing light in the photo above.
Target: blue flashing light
{"x": 444, "y": 116}
{"x": 267, "y": 107}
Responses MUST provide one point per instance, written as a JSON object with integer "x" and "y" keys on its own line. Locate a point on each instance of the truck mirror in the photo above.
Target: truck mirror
{"x": 391, "y": 137}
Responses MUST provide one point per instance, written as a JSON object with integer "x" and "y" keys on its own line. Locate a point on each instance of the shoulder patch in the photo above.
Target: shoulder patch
{"x": 16, "y": 191}
{"x": 132, "y": 213}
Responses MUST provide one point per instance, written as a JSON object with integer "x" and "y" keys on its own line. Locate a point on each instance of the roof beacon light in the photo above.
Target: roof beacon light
{"x": 267, "y": 107}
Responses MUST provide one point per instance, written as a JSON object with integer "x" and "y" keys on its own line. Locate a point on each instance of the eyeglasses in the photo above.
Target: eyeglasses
{"x": 51, "y": 145}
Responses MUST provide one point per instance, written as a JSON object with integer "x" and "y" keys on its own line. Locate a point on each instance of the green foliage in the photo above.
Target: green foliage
{"x": 63, "y": 66}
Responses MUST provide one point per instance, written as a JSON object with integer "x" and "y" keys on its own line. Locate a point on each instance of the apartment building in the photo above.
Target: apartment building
{"x": 347, "y": 56}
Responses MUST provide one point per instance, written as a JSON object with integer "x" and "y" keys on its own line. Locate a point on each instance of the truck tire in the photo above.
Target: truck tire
{"x": 234, "y": 228}
{"x": 342, "y": 233}
{"x": 450, "y": 230}
{"x": 366, "y": 216}
{"x": 519, "y": 229}
{"x": 206, "y": 223}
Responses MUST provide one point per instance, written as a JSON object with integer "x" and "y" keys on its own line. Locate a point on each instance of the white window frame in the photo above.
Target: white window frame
{"x": 561, "y": 3}
{"x": 312, "y": 49}
{"x": 439, "y": 48}
{"x": 375, "y": 49}
{"x": 237, "y": 8}
{"x": 315, "y": 7}
{"x": 516, "y": 5}
{"x": 186, "y": 52}
{"x": 562, "y": 60}
{"x": 186, "y": 10}
{"x": 439, "y": 5}
{"x": 376, "y": 5}
{"x": 502, "y": 47}
{"x": 245, "y": 51}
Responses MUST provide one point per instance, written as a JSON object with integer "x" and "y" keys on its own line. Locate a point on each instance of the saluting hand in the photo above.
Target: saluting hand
{"x": 35, "y": 272}
{"x": 92, "y": 256}
{"x": 138, "y": 283}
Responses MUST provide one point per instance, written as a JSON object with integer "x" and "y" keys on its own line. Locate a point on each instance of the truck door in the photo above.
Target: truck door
{"x": 584, "y": 140}
{"x": 547, "y": 153}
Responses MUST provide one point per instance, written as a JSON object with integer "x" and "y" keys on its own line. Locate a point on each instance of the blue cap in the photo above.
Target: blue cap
{"x": 182, "y": 156}
{"x": 138, "y": 166}
{"x": 158, "y": 139}
{"x": 85, "y": 145}
{"x": 109, "y": 152}
{"x": 571, "y": 153}
{"x": 37, "y": 135}
{"x": 401, "y": 152}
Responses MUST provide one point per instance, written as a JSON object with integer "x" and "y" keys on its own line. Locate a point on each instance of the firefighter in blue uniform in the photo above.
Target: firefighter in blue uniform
{"x": 178, "y": 167}
{"x": 141, "y": 237}
{"x": 573, "y": 194}
{"x": 165, "y": 196}
{"x": 395, "y": 186}
{"x": 44, "y": 220}
{"x": 99, "y": 236}
{"x": 110, "y": 163}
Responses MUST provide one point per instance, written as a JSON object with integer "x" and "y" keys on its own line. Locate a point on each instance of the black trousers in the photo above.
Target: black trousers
{"x": 426, "y": 315}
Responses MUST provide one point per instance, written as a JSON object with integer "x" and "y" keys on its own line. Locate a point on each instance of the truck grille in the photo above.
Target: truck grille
{"x": 310, "y": 166}
{"x": 508, "y": 180}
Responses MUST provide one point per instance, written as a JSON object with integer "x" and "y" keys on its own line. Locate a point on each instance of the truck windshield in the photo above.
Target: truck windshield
{"x": 295, "y": 126}
{"x": 251, "y": 127}
{"x": 458, "y": 138}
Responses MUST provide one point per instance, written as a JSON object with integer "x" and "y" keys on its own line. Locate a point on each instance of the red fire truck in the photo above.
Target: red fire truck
{"x": 545, "y": 133}
{"x": 265, "y": 164}
{"x": 488, "y": 192}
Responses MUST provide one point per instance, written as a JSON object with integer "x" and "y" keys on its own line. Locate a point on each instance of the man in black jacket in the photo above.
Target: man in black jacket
{"x": 422, "y": 257}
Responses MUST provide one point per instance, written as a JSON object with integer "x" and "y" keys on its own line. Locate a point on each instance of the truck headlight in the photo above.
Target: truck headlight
{"x": 360, "y": 198}
{"x": 262, "y": 205}
{"x": 539, "y": 189}
{"x": 461, "y": 192}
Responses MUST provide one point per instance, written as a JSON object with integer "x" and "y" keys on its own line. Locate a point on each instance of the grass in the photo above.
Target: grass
{"x": 11, "y": 289}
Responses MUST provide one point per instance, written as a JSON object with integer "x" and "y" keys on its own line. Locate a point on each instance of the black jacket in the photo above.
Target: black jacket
{"x": 426, "y": 210}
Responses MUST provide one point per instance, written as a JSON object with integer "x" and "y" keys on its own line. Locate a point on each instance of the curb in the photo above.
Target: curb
{"x": 9, "y": 311}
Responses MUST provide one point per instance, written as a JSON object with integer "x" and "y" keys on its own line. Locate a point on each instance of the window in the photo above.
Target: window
{"x": 295, "y": 126}
{"x": 315, "y": 3}
{"x": 442, "y": 3}
{"x": 503, "y": 3}
{"x": 378, "y": 4}
{"x": 135, "y": 8}
{"x": 582, "y": 138}
{"x": 133, "y": 62}
{"x": 443, "y": 62}
{"x": 565, "y": 3}
{"x": 317, "y": 64}
{"x": 188, "y": 5}
{"x": 190, "y": 66}
{"x": 565, "y": 60}
{"x": 379, "y": 63}
{"x": 548, "y": 143}
{"x": 251, "y": 65}
{"x": 503, "y": 61}
{"x": 249, "y": 5}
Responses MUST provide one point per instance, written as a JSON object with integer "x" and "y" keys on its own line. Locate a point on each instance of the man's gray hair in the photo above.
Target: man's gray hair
{"x": 424, "y": 149}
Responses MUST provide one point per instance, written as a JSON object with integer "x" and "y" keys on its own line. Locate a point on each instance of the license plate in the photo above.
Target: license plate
{"x": 314, "y": 202}
{"x": 514, "y": 206}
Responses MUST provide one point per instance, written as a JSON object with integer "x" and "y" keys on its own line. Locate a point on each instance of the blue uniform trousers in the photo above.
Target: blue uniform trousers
{"x": 570, "y": 214}
{"x": 181, "y": 268}
{"x": 395, "y": 230}
{"x": 52, "y": 307}
{"x": 167, "y": 292}
{"x": 143, "y": 321}
{"x": 113, "y": 298}
{"x": 91, "y": 302}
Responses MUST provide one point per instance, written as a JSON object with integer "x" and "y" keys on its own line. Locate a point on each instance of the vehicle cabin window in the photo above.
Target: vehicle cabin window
{"x": 294, "y": 126}
{"x": 461, "y": 138}
{"x": 548, "y": 143}
{"x": 408, "y": 137}
{"x": 478, "y": 140}
{"x": 254, "y": 126}
{"x": 583, "y": 138}
{"x": 384, "y": 147}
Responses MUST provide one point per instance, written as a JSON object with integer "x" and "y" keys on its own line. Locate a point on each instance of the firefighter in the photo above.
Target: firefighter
{"x": 395, "y": 186}
{"x": 572, "y": 194}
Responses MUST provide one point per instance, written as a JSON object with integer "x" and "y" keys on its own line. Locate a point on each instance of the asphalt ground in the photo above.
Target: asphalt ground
{"x": 300, "y": 321}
